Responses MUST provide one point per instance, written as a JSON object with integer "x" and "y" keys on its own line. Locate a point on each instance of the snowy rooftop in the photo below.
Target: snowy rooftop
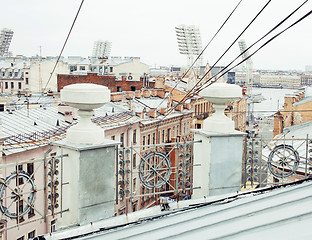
{"x": 271, "y": 213}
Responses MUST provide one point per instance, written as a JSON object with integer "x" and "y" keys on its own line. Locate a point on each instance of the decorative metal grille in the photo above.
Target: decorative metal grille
{"x": 147, "y": 172}
{"x": 276, "y": 161}
{"x": 29, "y": 191}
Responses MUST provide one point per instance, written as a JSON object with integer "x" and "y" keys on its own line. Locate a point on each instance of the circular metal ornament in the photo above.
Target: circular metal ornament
{"x": 283, "y": 161}
{"x": 154, "y": 170}
{"x": 11, "y": 194}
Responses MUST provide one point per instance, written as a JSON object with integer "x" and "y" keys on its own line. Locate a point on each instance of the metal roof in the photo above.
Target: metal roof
{"x": 283, "y": 212}
{"x": 37, "y": 126}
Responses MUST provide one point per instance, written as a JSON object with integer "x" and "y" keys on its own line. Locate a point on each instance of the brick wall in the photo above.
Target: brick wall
{"x": 106, "y": 80}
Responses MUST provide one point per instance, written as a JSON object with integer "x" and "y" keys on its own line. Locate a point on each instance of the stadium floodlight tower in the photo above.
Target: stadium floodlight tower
{"x": 248, "y": 63}
{"x": 249, "y": 79}
{"x": 189, "y": 42}
{"x": 101, "y": 49}
{"x": 5, "y": 40}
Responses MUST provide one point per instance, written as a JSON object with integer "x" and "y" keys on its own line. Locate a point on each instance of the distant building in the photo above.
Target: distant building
{"x": 241, "y": 78}
{"x": 280, "y": 81}
{"x": 306, "y": 80}
{"x": 297, "y": 109}
{"x": 308, "y": 68}
{"x": 29, "y": 75}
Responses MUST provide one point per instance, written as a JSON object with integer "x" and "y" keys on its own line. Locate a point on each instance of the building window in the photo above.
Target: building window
{"x": 134, "y": 160}
{"x": 163, "y": 136}
{"x": 122, "y": 139}
{"x": 111, "y": 69}
{"x": 20, "y": 180}
{"x": 31, "y": 234}
{"x": 132, "y": 88}
{"x": 1, "y": 107}
{"x": 118, "y": 89}
{"x": 53, "y": 227}
{"x": 134, "y": 184}
{"x": 12, "y": 85}
{"x": 20, "y": 208}
{"x": 6, "y": 85}
{"x": 113, "y": 137}
{"x": 134, "y": 136}
{"x": 82, "y": 68}
{"x": 158, "y": 137}
{"x": 178, "y": 130}
{"x": 31, "y": 212}
{"x": 173, "y": 131}
{"x": 10, "y": 74}
{"x": 154, "y": 138}
{"x": 19, "y": 85}
{"x": 168, "y": 134}
{"x": 21, "y": 238}
{"x": 30, "y": 169}
{"x": 149, "y": 139}
{"x": 15, "y": 74}
{"x": 26, "y": 80}
{"x": 143, "y": 142}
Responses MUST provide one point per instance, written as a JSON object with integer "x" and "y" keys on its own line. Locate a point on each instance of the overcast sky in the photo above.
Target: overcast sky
{"x": 145, "y": 29}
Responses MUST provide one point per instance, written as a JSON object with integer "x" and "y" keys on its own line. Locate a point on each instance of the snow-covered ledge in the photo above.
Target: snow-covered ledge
{"x": 220, "y": 94}
{"x": 85, "y": 97}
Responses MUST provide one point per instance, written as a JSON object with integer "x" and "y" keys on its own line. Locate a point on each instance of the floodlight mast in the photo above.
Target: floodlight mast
{"x": 248, "y": 63}
{"x": 189, "y": 42}
{"x": 249, "y": 80}
{"x": 6, "y": 36}
{"x": 101, "y": 49}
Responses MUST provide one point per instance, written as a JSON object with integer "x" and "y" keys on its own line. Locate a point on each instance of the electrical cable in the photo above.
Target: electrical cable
{"x": 265, "y": 35}
{"x": 228, "y": 48}
{"x": 189, "y": 92}
{"x": 58, "y": 59}
{"x": 263, "y": 45}
{"x": 201, "y": 53}
{"x": 203, "y": 86}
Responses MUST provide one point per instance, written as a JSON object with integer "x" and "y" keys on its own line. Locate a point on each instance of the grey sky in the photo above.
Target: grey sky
{"x": 146, "y": 29}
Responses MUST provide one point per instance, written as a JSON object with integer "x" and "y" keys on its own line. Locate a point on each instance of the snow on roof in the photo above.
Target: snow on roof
{"x": 269, "y": 213}
{"x": 303, "y": 100}
{"x": 37, "y": 126}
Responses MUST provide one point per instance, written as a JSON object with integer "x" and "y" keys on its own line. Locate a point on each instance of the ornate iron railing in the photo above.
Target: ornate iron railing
{"x": 270, "y": 162}
{"x": 147, "y": 173}
{"x": 29, "y": 191}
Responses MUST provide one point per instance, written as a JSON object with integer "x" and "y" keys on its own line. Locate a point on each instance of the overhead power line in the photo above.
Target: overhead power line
{"x": 190, "y": 91}
{"x": 265, "y": 35}
{"x": 201, "y": 53}
{"x": 189, "y": 95}
{"x": 58, "y": 59}
{"x": 249, "y": 24}
{"x": 263, "y": 45}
